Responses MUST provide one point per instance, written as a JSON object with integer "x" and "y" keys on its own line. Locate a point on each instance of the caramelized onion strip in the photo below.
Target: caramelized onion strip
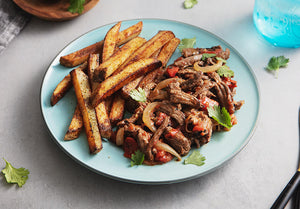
{"x": 147, "y": 114}
{"x": 208, "y": 69}
{"x": 163, "y": 146}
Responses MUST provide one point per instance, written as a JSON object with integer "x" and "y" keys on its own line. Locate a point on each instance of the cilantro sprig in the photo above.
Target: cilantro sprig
{"x": 195, "y": 158}
{"x": 187, "y": 43}
{"x": 138, "y": 95}
{"x": 137, "y": 158}
{"x": 207, "y": 55}
{"x": 220, "y": 115}
{"x": 275, "y": 63}
{"x": 225, "y": 71}
{"x": 15, "y": 175}
{"x": 188, "y": 4}
{"x": 76, "y": 6}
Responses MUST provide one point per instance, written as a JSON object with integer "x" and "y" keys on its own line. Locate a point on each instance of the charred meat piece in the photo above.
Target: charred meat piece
{"x": 177, "y": 140}
{"x": 178, "y": 96}
{"x": 188, "y": 61}
{"x": 172, "y": 111}
{"x": 156, "y": 137}
{"x": 142, "y": 137}
{"x": 134, "y": 117}
{"x": 215, "y": 49}
{"x": 198, "y": 125}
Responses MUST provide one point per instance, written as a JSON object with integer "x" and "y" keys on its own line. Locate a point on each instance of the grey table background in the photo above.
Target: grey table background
{"x": 252, "y": 179}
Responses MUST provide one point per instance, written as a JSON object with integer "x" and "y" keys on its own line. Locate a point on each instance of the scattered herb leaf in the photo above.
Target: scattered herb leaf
{"x": 187, "y": 43}
{"x": 138, "y": 95}
{"x": 220, "y": 115}
{"x": 207, "y": 55}
{"x": 137, "y": 158}
{"x": 221, "y": 59}
{"x": 195, "y": 158}
{"x": 275, "y": 63}
{"x": 188, "y": 4}
{"x": 225, "y": 71}
{"x": 15, "y": 175}
{"x": 76, "y": 6}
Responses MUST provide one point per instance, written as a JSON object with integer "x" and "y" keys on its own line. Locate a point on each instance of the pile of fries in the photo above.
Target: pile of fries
{"x": 108, "y": 71}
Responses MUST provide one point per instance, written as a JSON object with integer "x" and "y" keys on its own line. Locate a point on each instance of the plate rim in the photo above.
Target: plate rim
{"x": 149, "y": 182}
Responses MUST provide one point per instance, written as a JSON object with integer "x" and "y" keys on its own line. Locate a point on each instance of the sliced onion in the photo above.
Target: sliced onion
{"x": 120, "y": 137}
{"x": 163, "y": 146}
{"x": 208, "y": 69}
{"x": 166, "y": 82}
{"x": 147, "y": 114}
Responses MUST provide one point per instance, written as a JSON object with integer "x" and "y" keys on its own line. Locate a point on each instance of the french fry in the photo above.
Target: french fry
{"x": 75, "y": 126}
{"x": 101, "y": 111}
{"x": 83, "y": 92}
{"x": 113, "y": 63}
{"x": 80, "y": 56}
{"x": 129, "y": 73}
{"x": 117, "y": 109}
{"x": 63, "y": 87}
{"x": 110, "y": 41}
{"x": 148, "y": 48}
{"x": 167, "y": 51}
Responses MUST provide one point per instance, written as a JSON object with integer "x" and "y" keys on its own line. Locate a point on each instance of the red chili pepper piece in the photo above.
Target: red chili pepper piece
{"x": 172, "y": 71}
{"x": 163, "y": 156}
{"x": 129, "y": 146}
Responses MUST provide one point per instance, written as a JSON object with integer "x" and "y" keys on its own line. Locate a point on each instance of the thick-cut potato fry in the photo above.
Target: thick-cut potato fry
{"x": 83, "y": 92}
{"x": 63, "y": 86}
{"x": 117, "y": 109}
{"x": 130, "y": 86}
{"x": 75, "y": 126}
{"x": 101, "y": 111}
{"x": 110, "y": 65}
{"x": 129, "y": 73}
{"x": 80, "y": 56}
{"x": 167, "y": 51}
{"x": 110, "y": 41}
{"x": 148, "y": 48}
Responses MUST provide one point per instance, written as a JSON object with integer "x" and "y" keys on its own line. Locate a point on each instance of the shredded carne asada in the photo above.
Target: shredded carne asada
{"x": 176, "y": 116}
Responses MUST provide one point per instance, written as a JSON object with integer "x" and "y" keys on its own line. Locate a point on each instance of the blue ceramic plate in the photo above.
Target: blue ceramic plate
{"x": 110, "y": 161}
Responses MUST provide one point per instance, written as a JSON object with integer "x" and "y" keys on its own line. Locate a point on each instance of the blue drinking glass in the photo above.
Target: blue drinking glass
{"x": 278, "y": 21}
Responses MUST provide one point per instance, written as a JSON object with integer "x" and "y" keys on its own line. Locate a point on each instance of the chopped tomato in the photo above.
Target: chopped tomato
{"x": 231, "y": 83}
{"x": 163, "y": 156}
{"x": 129, "y": 146}
{"x": 207, "y": 102}
{"x": 233, "y": 119}
{"x": 198, "y": 127}
{"x": 171, "y": 133}
{"x": 161, "y": 117}
{"x": 216, "y": 51}
{"x": 172, "y": 71}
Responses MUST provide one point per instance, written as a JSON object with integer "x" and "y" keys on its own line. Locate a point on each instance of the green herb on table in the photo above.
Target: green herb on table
{"x": 188, "y": 4}
{"x": 138, "y": 95}
{"x": 15, "y": 175}
{"x": 195, "y": 158}
{"x": 275, "y": 63}
{"x": 76, "y": 6}
{"x": 220, "y": 115}
{"x": 225, "y": 71}
{"x": 137, "y": 158}
{"x": 187, "y": 43}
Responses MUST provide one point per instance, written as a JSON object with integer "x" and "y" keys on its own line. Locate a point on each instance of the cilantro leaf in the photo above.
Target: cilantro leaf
{"x": 225, "y": 71}
{"x": 188, "y": 4}
{"x": 137, "y": 158}
{"x": 187, "y": 43}
{"x": 195, "y": 158}
{"x": 277, "y": 62}
{"x": 138, "y": 95}
{"x": 15, "y": 175}
{"x": 220, "y": 115}
{"x": 76, "y": 6}
{"x": 221, "y": 59}
{"x": 207, "y": 55}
